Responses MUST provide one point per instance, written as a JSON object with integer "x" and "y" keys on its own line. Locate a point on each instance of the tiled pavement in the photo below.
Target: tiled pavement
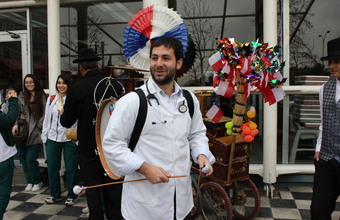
{"x": 31, "y": 206}
{"x": 291, "y": 201}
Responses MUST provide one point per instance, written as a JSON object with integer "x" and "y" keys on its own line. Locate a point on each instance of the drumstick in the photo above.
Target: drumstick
{"x": 78, "y": 190}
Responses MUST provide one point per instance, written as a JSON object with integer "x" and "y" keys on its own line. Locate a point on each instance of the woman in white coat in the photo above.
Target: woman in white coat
{"x": 56, "y": 142}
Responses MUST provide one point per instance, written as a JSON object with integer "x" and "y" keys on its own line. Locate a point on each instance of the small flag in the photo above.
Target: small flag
{"x": 110, "y": 108}
{"x": 215, "y": 113}
{"x": 215, "y": 61}
{"x": 226, "y": 88}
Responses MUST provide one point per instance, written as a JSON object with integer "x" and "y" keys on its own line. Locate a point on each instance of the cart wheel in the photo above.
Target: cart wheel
{"x": 197, "y": 209}
{"x": 215, "y": 202}
{"x": 245, "y": 199}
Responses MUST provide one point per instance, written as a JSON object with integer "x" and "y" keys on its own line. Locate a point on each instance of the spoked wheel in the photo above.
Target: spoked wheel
{"x": 196, "y": 210}
{"x": 245, "y": 199}
{"x": 215, "y": 202}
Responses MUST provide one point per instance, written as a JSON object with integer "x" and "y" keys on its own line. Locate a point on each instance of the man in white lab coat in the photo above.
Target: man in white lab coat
{"x": 168, "y": 137}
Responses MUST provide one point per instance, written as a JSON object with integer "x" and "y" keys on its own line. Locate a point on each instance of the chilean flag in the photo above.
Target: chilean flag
{"x": 216, "y": 62}
{"x": 273, "y": 95}
{"x": 215, "y": 113}
{"x": 245, "y": 65}
{"x": 226, "y": 89}
{"x": 216, "y": 79}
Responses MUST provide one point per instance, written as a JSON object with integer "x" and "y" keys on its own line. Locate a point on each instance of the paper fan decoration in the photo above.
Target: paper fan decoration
{"x": 189, "y": 59}
{"x": 148, "y": 24}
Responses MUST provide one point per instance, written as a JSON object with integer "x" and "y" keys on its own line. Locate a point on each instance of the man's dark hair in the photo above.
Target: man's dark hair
{"x": 89, "y": 64}
{"x": 169, "y": 42}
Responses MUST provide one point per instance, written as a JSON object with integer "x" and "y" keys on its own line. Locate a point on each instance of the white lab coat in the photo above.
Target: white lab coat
{"x": 162, "y": 144}
{"x": 52, "y": 129}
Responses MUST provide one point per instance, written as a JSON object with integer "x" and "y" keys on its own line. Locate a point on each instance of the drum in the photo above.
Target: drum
{"x": 102, "y": 119}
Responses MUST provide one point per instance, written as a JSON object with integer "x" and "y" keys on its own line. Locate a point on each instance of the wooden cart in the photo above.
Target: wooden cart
{"x": 228, "y": 193}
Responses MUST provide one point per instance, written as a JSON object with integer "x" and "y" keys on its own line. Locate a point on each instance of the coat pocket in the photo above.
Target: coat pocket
{"x": 142, "y": 191}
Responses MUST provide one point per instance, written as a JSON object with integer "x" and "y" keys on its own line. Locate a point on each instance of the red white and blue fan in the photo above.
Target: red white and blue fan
{"x": 146, "y": 25}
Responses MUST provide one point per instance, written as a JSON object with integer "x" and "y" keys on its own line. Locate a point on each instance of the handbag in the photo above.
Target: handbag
{"x": 20, "y": 137}
{"x": 71, "y": 133}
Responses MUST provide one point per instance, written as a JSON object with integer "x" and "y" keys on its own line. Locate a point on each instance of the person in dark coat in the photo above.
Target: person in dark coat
{"x": 8, "y": 116}
{"x": 80, "y": 106}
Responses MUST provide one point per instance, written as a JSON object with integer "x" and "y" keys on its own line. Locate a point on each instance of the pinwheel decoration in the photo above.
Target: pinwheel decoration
{"x": 149, "y": 24}
{"x": 247, "y": 67}
{"x": 189, "y": 59}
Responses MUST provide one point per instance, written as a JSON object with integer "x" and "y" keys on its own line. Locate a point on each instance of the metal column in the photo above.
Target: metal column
{"x": 53, "y": 28}
{"x": 270, "y": 112}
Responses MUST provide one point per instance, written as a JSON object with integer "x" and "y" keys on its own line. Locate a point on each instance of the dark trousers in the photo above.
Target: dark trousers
{"x": 93, "y": 174}
{"x": 326, "y": 189}
{"x": 28, "y": 156}
{"x": 53, "y": 153}
{"x": 6, "y": 176}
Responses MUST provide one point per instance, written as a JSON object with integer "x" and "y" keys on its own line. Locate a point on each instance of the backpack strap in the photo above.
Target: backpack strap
{"x": 140, "y": 121}
{"x": 52, "y": 97}
{"x": 143, "y": 109}
{"x": 190, "y": 101}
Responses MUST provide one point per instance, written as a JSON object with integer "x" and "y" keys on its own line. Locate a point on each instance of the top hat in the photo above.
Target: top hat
{"x": 86, "y": 54}
{"x": 333, "y": 50}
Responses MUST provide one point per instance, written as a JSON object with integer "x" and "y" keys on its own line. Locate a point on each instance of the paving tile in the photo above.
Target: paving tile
{"x": 302, "y": 195}
{"x": 286, "y": 213}
{"x": 71, "y": 211}
{"x": 265, "y": 201}
{"x": 12, "y": 204}
{"x": 290, "y": 202}
{"x": 39, "y": 198}
{"x": 336, "y": 215}
{"x": 15, "y": 215}
{"x": 265, "y": 212}
{"x": 303, "y": 204}
{"x": 27, "y": 207}
{"x": 22, "y": 197}
{"x": 279, "y": 203}
{"x": 301, "y": 189}
{"x": 34, "y": 216}
{"x": 286, "y": 195}
{"x": 52, "y": 209}
{"x": 305, "y": 214}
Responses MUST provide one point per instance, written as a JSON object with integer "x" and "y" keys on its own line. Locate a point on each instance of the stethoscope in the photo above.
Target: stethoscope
{"x": 182, "y": 108}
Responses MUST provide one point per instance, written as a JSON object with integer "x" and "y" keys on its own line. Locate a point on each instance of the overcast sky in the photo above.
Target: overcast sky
{"x": 325, "y": 17}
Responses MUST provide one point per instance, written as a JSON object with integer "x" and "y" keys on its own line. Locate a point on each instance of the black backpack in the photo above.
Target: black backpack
{"x": 143, "y": 109}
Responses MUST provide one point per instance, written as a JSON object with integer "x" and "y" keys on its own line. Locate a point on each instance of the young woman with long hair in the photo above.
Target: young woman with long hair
{"x": 56, "y": 142}
{"x": 32, "y": 101}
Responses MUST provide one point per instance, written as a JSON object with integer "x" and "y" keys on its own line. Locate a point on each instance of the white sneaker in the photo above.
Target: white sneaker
{"x": 29, "y": 187}
{"x": 85, "y": 210}
{"x": 37, "y": 187}
{"x": 52, "y": 200}
{"x": 71, "y": 202}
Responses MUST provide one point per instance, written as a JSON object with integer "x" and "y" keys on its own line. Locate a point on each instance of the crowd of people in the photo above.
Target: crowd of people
{"x": 46, "y": 120}
{"x": 170, "y": 136}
